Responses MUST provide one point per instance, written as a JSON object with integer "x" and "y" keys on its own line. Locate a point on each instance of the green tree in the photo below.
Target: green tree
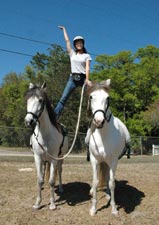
{"x": 135, "y": 84}
{"x": 12, "y": 97}
{"x": 12, "y": 111}
{"x": 134, "y": 93}
{"x": 119, "y": 69}
{"x": 151, "y": 118}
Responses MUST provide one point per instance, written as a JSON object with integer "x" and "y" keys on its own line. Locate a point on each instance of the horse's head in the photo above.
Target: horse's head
{"x": 98, "y": 102}
{"x": 35, "y": 98}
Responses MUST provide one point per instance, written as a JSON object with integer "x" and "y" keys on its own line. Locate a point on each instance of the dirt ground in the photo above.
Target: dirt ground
{"x": 137, "y": 194}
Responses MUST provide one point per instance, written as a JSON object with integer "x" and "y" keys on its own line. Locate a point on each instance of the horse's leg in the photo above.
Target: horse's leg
{"x": 87, "y": 138}
{"x": 93, "y": 190}
{"x": 112, "y": 188}
{"x": 52, "y": 184}
{"x": 40, "y": 175}
{"x": 107, "y": 184}
{"x": 60, "y": 175}
{"x": 89, "y": 132}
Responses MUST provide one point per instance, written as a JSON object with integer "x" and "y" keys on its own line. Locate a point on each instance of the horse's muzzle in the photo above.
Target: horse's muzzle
{"x": 98, "y": 123}
{"x": 99, "y": 118}
{"x": 30, "y": 122}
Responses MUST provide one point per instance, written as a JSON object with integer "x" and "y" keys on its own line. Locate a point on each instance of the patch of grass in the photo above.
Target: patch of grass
{"x": 74, "y": 159}
{"x": 18, "y": 149}
{"x": 16, "y": 159}
{"x": 140, "y": 159}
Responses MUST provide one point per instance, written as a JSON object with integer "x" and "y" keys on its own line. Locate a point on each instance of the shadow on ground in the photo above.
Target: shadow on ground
{"x": 127, "y": 196}
{"x": 74, "y": 193}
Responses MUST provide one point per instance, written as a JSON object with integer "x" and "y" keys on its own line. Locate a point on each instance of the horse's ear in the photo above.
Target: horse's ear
{"x": 43, "y": 86}
{"x": 31, "y": 85}
{"x": 108, "y": 82}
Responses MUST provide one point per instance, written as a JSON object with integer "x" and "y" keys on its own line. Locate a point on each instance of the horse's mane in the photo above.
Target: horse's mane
{"x": 51, "y": 112}
{"x": 37, "y": 91}
{"x": 97, "y": 86}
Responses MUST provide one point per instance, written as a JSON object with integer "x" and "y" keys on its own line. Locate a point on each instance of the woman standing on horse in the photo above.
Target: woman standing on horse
{"x": 80, "y": 68}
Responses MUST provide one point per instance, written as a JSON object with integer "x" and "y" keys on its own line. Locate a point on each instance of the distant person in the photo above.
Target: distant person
{"x": 80, "y": 68}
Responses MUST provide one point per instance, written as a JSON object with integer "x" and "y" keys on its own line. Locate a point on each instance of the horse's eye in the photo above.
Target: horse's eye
{"x": 40, "y": 100}
{"x": 90, "y": 97}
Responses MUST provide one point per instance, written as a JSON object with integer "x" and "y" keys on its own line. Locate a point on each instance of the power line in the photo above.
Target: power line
{"x": 20, "y": 53}
{"x": 100, "y": 13}
{"x": 33, "y": 40}
{"x": 15, "y": 52}
{"x": 24, "y": 38}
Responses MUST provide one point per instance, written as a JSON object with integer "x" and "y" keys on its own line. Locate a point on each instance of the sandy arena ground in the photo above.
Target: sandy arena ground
{"x": 137, "y": 194}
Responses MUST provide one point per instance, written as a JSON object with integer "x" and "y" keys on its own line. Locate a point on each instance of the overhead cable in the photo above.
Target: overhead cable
{"x": 15, "y": 52}
{"x": 33, "y": 40}
{"x": 24, "y": 38}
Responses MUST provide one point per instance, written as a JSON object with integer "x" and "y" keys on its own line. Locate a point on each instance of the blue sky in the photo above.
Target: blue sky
{"x": 107, "y": 26}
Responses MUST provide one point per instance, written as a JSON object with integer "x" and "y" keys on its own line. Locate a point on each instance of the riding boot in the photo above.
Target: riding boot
{"x": 64, "y": 129}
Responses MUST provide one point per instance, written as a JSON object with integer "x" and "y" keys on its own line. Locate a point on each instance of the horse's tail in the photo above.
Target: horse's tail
{"x": 47, "y": 171}
{"x": 55, "y": 174}
{"x": 103, "y": 174}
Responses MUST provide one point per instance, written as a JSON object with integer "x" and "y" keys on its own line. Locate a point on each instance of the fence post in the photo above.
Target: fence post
{"x": 141, "y": 149}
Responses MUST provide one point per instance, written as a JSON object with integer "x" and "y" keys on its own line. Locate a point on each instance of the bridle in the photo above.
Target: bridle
{"x": 36, "y": 119}
{"x": 34, "y": 116}
{"x": 37, "y": 116}
{"x": 106, "y": 117}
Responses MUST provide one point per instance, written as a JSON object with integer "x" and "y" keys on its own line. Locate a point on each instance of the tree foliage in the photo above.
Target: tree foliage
{"x": 134, "y": 92}
{"x": 135, "y": 84}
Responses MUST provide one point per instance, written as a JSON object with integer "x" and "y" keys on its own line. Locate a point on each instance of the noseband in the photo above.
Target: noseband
{"x": 34, "y": 115}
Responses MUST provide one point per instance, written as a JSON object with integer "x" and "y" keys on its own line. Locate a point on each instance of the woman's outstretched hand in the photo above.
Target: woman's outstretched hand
{"x": 61, "y": 27}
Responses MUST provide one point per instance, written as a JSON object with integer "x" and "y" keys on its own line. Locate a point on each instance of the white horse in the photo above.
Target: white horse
{"x": 107, "y": 138}
{"x": 47, "y": 140}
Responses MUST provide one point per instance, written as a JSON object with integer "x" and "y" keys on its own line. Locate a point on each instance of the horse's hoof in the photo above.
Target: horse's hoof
{"x": 92, "y": 212}
{"x": 91, "y": 192}
{"x": 107, "y": 196}
{"x": 36, "y": 207}
{"x": 52, "y": 207}
{"x": 115, "y": 213}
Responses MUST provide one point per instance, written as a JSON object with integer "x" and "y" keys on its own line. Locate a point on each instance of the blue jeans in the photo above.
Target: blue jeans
{"x": 70, "y": 87}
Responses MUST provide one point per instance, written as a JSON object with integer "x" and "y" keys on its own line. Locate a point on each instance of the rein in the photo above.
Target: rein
{"x": 41, "y": 146}
{"x": 76, "y": 131}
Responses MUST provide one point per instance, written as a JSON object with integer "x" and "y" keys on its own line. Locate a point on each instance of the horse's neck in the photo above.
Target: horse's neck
{"x": 109, "y": 114}
{"x": 45, "y": 127}
{"x": 108, "y": 125}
